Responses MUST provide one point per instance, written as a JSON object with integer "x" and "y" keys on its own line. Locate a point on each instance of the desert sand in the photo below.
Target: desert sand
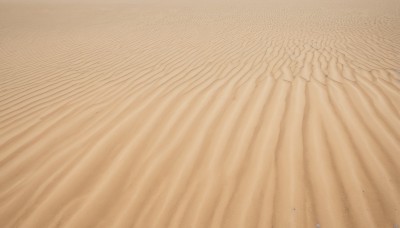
{"x": 200, "y": 114}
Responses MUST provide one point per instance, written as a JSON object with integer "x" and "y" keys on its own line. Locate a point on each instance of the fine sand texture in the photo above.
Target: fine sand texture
{"x": 200, "y": 114}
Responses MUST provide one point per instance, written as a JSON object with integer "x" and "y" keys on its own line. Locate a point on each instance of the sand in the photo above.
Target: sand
{"x": 200, "y": 114}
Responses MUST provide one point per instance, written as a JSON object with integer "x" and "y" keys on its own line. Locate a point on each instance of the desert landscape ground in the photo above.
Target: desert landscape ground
{"x": 201, "y": 114}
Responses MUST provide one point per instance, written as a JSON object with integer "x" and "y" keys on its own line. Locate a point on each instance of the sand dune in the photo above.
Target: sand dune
{"x": 242, "y": 115}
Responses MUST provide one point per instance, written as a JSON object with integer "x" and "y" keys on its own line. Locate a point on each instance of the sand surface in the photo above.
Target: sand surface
{"x": 200, "y": 114}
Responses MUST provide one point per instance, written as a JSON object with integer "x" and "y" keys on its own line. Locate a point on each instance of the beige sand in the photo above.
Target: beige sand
{"x": 189, "y": 114}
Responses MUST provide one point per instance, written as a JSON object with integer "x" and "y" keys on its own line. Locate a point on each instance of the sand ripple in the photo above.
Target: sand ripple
{"x": 139, "y": 116}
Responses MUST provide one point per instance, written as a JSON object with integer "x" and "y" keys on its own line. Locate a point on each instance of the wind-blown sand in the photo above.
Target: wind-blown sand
{"x": 200, "y": 115}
